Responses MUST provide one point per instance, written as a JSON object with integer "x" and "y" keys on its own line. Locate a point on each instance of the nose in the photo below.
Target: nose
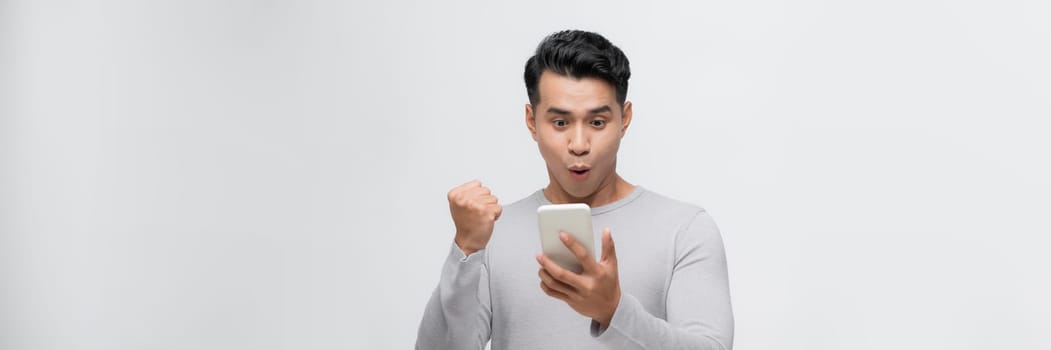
{"x": 579, "y": 144}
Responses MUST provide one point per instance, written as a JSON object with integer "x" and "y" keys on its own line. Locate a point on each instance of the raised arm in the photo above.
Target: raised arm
{"x": 459, "y": 314}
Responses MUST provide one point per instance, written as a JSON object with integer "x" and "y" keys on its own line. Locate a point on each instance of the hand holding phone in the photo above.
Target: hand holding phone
{"x": 593, "y": 292}
{"x": 574, "y": 220}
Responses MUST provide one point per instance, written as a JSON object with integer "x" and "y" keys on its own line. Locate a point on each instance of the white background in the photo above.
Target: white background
{"x": 272, "y": 174}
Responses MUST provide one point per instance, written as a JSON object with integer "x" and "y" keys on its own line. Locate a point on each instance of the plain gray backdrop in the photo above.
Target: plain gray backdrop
{"x": 272, "y": 174}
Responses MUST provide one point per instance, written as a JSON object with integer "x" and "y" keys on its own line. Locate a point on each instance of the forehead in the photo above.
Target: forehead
{"x": 575, "y": 94}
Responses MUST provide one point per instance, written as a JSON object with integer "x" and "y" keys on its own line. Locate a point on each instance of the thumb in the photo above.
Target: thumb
{"x": 609, "y": 252}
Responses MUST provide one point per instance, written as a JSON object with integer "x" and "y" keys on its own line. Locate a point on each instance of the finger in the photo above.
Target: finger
{"x": 554, "y": 284}
{"x": 499, "y": 210}
{"x": 565, "y": 276}
{"x": 554, "y": 293}
{"x": 463, "y": 190}
{"x": 609, "y": 252}
{"x": 477, "y": 192}
{"x": 578, "y": 250}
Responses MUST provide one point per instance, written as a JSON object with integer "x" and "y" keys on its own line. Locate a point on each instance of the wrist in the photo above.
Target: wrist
{"x": 607, "y": 318}
{"x": 466, "y": 245}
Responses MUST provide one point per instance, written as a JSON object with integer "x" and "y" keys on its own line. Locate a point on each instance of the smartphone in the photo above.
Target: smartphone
{"x": 573, "y": 219}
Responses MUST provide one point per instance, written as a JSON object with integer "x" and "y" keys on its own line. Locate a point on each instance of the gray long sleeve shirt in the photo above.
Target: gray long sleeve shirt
{"x": 673, "y": 280}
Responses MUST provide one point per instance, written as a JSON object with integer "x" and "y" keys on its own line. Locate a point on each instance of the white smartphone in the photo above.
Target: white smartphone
{"x": 573, "y": 219}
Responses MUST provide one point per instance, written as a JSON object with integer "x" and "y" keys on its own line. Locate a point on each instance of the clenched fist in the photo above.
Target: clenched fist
{"x": 474, "y": 210}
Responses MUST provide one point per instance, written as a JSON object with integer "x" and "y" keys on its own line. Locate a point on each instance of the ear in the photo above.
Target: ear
{"x": 625, "y": 118}
{"x": 530, "y": 119}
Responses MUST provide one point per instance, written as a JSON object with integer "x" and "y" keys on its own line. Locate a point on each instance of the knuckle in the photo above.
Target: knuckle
{"x": 589, "y": 286}
{"x": 560, "y": 274}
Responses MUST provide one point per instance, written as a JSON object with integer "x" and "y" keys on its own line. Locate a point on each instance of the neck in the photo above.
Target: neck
{"x": 612, "y": 189}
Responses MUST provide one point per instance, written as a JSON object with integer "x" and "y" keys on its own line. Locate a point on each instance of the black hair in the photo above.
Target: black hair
{"x": 578, "y": 54}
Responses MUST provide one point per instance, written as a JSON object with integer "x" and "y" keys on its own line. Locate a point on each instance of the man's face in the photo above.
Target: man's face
{"x": 578, "y": 125}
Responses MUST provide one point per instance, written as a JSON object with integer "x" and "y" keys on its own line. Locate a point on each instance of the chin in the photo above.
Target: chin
{"x": 580, "y": 191}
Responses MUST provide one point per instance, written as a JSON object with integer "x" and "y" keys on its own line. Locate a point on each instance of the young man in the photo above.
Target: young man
{"x": 662, "y": 286}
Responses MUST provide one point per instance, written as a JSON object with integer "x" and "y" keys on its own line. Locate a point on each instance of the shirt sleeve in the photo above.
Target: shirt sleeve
{"x": 458, "y": 314}
{"x": 699, "y": 311}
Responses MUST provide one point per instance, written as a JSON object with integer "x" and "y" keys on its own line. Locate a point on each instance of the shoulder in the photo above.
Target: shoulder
{"x": 518, "y": 214}
{"x": 693, "y": 224}
{"x": 669, "y": 209}
{"x": 524, "y": 205}
{"x": 656, "y": 198}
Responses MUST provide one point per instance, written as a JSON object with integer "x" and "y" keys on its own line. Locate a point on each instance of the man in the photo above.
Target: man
{"x": 662, "y": 286}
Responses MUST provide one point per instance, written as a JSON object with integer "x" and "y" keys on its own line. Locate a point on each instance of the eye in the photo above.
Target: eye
{"x": 598, "y": 123}
{"x": 560, "y": 123}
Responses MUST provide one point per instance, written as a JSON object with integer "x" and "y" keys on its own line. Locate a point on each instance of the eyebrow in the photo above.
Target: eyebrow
{"x": 556, "y": 110}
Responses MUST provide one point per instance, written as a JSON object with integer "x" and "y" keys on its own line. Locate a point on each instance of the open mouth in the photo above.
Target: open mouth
{"x": 579, "y": 173}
